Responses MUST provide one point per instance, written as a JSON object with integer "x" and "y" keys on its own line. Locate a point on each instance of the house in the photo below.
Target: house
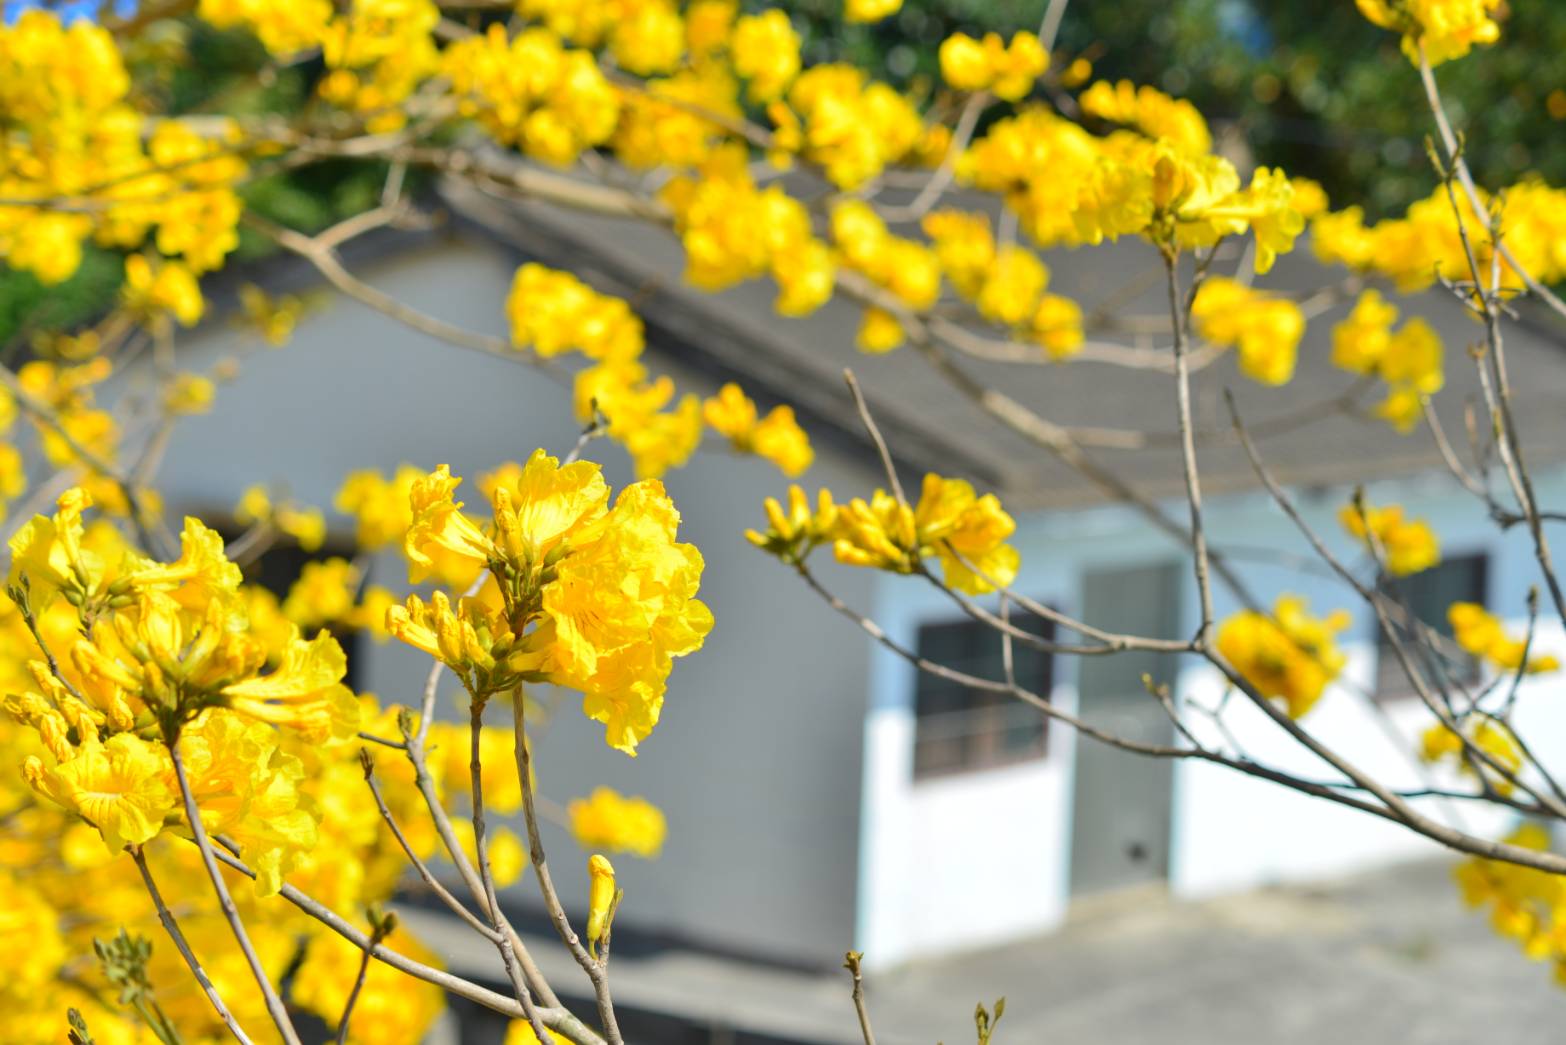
{"x": 821, "y": 795}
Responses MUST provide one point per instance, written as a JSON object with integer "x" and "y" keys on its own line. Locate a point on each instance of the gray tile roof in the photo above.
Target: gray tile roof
{"x": 932, "y": 426}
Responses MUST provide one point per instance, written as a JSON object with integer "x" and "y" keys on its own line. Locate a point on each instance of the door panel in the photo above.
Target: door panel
{"x": 1121, "y": 801}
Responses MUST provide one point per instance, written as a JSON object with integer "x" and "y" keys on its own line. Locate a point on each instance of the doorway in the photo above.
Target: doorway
{"x": 1121, "y": 801}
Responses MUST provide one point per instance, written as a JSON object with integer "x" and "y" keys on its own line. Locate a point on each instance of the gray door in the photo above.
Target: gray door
{"x": 1121, "y": 801}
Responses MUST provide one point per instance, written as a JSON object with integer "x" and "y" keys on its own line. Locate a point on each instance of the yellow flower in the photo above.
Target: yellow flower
{"x": 520, "y": 1032}
{"x": 601, "y": 898}
{"x": 438, "y": 522}
{"x": 765, "y": 51}
{"x": 1011, "y": 288}
{"x": 121, "y": 786}
{"x": 791, "y": 535}
{"x": 657, "y": 439}
{"x": 1412, "y": 358}
{"x": 879, "y": 332}
{"x": 391, "y": 1008}
{"x": 553, "y": 504}
{"x": 1150, "y": 111}
{"x": 967, "y": 533}
{"x": 189, "y": 394}
{"x": 1360, "y": 342}
{"x": 1441, "y": 744}
{"x": 47, "y": 553}
{"x": 777, "y": 437}
{"x": 608, "y": 820}
{"x": 201, "y": 572}
{"x": 379, "y": 505}
{"x": 1266, "y": 330}
{"x": 530, "y": 91}
{"x": 248, "y": 790}
{"x": 1408, "y": 545}
{"x": 1009, "y": 70}
{"x": 552, "y": 312}
{"x": 324, "y": 593}
{"x": 1481, "y": 633}
{"x": 171, "y": 289}
{"x": 965, "y": 247}
{"x": 1445, "y": 28}
{"x": 1289, "y": 655}
{"x": 870, "y": 10}
{"x": 620, "y": 607}
{"x": 274, "y": 318}
{"x": 305, "y": 693}
{"x": 1057, "y": 325}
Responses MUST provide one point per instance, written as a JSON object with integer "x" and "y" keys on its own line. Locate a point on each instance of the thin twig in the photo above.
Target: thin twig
{"x": 546, "y": 886}
{"x": 183, "y": 946}
{"x": 851, "y": 962}
{"x": 274, "y": 1004}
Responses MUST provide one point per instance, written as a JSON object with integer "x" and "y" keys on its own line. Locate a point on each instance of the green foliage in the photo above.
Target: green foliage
{"x": 1313, "y": 88}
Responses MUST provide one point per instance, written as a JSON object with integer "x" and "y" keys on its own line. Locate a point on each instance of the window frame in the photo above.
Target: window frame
{"x": 1389, "y": 684}
{"x": 993, "y": 715}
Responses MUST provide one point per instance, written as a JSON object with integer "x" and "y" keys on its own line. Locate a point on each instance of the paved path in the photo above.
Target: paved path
{"x": 1389, "y": 958}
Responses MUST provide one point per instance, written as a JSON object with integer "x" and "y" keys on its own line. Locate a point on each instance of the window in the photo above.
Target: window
{"x": 1427, "y": 595}
{"x": 958, "y": 729}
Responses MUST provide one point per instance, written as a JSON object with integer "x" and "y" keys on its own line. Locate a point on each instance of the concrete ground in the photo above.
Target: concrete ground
{"x": 1386, "y": 958}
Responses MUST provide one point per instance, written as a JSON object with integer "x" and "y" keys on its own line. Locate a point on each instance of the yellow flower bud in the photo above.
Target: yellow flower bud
{"x": 601, "y": 896}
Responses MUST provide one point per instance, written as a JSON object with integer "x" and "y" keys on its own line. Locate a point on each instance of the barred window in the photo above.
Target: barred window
{"x": 959, "y": 729}
{"x": 1427, "y": 594}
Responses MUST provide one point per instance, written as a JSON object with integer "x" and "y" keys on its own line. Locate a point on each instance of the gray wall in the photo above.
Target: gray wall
{"x": 757, "y": 760}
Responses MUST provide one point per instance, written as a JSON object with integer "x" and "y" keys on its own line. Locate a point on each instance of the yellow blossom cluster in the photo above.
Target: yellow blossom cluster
{"x": 609, "y": 820}
{"x": 732, "y": 231}
{"x": 906, "y": 268}
{"x": 1264, "y": 328}
{"x": 766, "y": 54}
{"x": 870, "y": 10}
{"x": 114, "y": 661}
{"x": 1070, "y": 187}
{"x": 1440, "y": 29}
{"x": 849, "y": 126}
{"x": 1526, "y": 905}
{"x": 967, "y": 533}
{"x": 1151, "y": 112}
{"x": 776, "y": 437}
{"x": 1007, "y": 70}
{"x": 585, "y": 595}
{"x": 79, "y": 431}
{"x": 1439, "y": 744}
{"x": 1480, "y": 633}
{"x": 552, "y": 312}
{"x": 74, "y": 135}
{"x": 307, "y": 526}
{"x": 1288, "y": 655}
{"x": 1426, "y": 243}
{"x": 1407, "y": 545}
{"x": 1007, "y": 284}
{"x": 644, "y": 36}
{"x": 1409, "y": 360}
{"x": 530, "y": 91}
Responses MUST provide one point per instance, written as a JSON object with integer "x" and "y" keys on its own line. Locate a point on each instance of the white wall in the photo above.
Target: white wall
{"x": 1232, "y": 831}
{"x": 965, "y": 860}
{"x": 757, "y": 759}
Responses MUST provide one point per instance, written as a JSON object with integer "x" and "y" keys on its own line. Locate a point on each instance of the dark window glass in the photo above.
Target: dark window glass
{"x": 959, "y": 729}
{"x": 1427, "y": 595}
